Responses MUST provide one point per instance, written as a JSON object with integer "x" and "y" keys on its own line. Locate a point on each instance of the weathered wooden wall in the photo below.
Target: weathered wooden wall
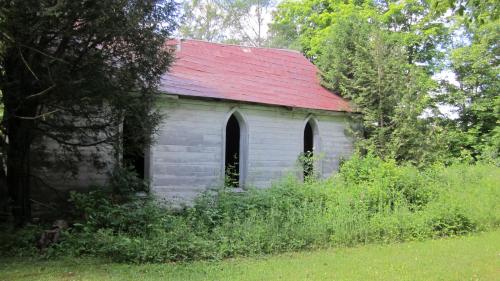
{"x": 188, "y": 155}
{"x": 51, "y": 184}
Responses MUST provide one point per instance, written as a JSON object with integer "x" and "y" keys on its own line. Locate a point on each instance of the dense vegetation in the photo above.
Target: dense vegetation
{"x": 61, "y": 65}
{"x": 70, "y": 73}
{"x": 418, "y": 174}
{"x": 369, "y": 201}
{"x": 423, "y": 73}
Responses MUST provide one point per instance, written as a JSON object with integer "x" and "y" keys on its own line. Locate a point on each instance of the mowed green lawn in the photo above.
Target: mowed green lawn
{"x": 465, "y": 258}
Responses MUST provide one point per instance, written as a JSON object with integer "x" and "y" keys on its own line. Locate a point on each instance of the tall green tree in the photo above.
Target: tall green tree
{"x": 70, "y": 72}
{"x": 203, "y": 20}
{"x": 477, "y": 95}
{"x": 372, "y": 68}
{"x": 248, "y": 21}
{"x": 305, "y": 24}
{"x": 381, "y": 56}
{"x": 475, "y": 62}
{"x": 230, "y": 21}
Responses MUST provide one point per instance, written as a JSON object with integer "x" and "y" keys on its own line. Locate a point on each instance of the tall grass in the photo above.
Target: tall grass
{"x": 368, "y": 201}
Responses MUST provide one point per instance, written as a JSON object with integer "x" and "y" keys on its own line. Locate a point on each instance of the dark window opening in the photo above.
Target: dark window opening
{"x": 308, "y": 150}
{"x": 133, "y": 149}
{"x": 232, "y": 161}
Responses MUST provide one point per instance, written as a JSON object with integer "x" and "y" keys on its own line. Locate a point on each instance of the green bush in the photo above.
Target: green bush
{"x": 22, "y": 241}
{"x": 101, "y": 210}
{"x": 368, "y": 201}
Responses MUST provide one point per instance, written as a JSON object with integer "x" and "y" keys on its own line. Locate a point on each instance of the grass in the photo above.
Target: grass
{"x": 475, "y": 257}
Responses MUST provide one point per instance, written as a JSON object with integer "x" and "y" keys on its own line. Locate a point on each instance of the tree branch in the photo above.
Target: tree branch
{"x": 41, "y": 93}
{"x": 38, "y": 116}
{"x": 43, "y": 53}
{"x": 27, "y": 65}
{"x": 51, "y": 136}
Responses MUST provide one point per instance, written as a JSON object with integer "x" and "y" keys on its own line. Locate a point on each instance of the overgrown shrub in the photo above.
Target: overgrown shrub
{"x": 368, "y": 201}
{"x": 21, "y": 242}
{"x": 102, "y": 210}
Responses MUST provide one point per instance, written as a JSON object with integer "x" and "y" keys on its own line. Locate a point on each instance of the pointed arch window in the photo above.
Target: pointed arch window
{"x": 310, "y": 147}
{"x": 235, "y": 150}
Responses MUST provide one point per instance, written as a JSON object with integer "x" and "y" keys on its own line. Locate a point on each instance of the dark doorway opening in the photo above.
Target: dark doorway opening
{"x": 133, "y": 148}
{"x": 232, "y": 161}
{"x": 308, "y": 150}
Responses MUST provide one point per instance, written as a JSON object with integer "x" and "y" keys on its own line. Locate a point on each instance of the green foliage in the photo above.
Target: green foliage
{"x": 372, "y": 69}
{"x": 231, "y": 177}
{"x": 369, "y": 201}
{"x": 307, "y": 23}
{"x": 125, "y": 181}
{"x": 23, "y": 240}
{"x": 202, "y": 20}
{"x": 230, "y": 21}
{"x": 308, "y": 162}
{"x": 104, "y": 210}
{"x": 390, "y": 183}
{"x": 476, "y": 97}
{"x": 381, "y": 56}
{"x": 70, "y": 72}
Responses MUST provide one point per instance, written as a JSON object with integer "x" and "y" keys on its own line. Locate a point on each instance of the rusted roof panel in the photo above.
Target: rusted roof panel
{"x": 257, "y": 75}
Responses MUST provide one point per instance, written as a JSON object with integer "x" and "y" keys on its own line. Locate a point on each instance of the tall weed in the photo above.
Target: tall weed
{"x": 368, "y": 201}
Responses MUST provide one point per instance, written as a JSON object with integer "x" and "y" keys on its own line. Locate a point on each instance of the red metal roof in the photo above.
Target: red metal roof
{"x": 257, "y": 75}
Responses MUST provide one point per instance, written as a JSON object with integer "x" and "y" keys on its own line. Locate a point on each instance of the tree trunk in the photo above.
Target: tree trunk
{"x": 19, "y": 122}
{"x": 4, "y": 194}
{"x": 19, "y": 134}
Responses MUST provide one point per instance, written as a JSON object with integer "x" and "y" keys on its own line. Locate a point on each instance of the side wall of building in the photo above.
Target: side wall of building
{"x": 188, "y": 155}
{"x": 54, "y": 178}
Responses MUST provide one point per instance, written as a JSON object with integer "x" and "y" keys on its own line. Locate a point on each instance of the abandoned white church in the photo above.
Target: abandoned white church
{"x": 256, "y": 109}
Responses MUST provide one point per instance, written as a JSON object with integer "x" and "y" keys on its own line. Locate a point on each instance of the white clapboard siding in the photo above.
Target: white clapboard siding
{"x": 187, "y": 157}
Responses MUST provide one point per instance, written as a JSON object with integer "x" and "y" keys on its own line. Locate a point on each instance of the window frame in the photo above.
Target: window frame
{"x": 313, "y": 122}
{"x": 243, "y": 153}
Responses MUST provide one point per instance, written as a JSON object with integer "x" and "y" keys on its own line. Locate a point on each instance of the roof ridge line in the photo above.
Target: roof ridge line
{"x": 236, "y": 45}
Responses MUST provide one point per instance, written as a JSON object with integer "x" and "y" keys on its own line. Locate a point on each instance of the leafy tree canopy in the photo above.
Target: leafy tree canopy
{"x": 475, "y": 62}
{"x": 382, "y": 55}
{"x": 230, "y": 21}
{"x": 305, "y": 25}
